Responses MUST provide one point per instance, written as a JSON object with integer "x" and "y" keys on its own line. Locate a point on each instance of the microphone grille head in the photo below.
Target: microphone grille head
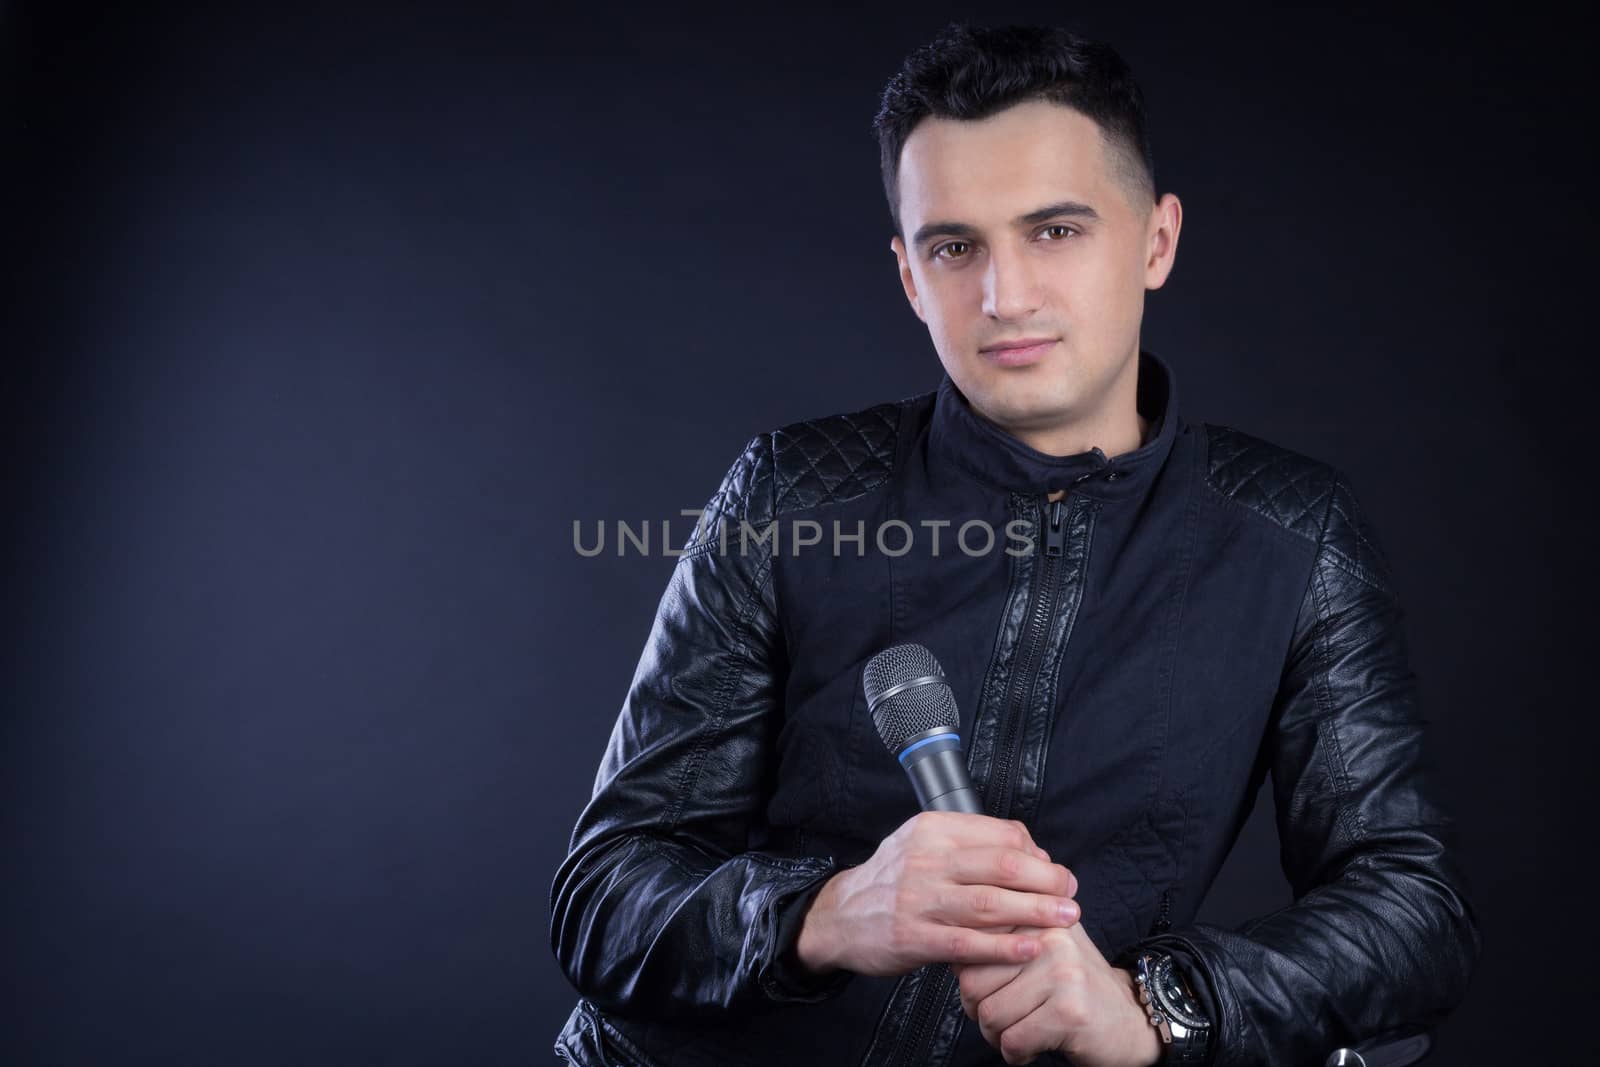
{"x": 915, "y": 709}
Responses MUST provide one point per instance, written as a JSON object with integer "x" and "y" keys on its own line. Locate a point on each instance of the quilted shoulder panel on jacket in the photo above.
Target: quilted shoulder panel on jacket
{"x": 744, "y": 495}
{"x": 824, "y": 460}
{"x": 834, "y": 458}
{"x": 1299, "y": 493}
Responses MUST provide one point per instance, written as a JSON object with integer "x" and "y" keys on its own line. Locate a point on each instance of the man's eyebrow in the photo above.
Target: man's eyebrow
{"x": 962, "y": 229}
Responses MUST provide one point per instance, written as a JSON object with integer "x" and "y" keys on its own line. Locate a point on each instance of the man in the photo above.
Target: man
{"x": 1165, "y": 612}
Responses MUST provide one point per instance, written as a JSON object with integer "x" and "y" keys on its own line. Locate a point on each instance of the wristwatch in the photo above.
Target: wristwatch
{"x": 1174, "y": 1011}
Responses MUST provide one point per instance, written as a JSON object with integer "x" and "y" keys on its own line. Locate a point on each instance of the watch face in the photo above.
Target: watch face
{"x": 1172, "y": 999}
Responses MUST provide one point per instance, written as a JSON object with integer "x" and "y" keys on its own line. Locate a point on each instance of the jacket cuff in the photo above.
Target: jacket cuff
{"x": 784, "y": 978}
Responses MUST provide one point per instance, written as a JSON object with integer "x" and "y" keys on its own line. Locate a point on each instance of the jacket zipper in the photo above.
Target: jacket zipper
{"x": 1042, "y": 599}
{"x": 1022, "y": 682}
{"x": 918, "y": 1033}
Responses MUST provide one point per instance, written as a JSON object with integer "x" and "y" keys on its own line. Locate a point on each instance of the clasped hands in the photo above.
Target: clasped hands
{"x": 976, "y": 892}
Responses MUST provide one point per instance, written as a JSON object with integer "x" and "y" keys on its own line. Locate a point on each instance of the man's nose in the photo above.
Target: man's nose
{"x": 1010, "y": 286}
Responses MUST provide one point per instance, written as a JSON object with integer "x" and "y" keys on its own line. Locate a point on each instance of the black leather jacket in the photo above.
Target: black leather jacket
{"x": 1193, "y": 615}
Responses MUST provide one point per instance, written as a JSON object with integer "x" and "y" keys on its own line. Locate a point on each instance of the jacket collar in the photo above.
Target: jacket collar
{"x": 961, "y": 436}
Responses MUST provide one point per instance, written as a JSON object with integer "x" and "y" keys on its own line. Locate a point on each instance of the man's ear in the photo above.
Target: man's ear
{"x": 1166, "y": 219}
{"x": 907, "y": 282}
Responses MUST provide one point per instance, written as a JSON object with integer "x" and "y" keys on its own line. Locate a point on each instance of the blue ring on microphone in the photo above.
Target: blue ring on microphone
{"x": 954, "y": 739}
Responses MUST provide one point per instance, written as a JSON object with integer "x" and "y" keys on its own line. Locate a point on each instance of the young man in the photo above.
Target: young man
{"x": 1140, "y": 617}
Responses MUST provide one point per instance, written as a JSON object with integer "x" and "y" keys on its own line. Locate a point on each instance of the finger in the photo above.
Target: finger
{"x": 979, "y": 907}
{"x": 979, "y": 981}
{"x": 966, "y": 829}
{"x": 1012, "y": 868}
{"x": 1000, "y": 1012}
{"x": 1036, "y": 1032}
{"x": 957, "y": 944}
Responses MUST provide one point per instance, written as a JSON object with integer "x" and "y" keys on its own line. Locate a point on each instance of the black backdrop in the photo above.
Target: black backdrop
{"x": 325, "y": 322}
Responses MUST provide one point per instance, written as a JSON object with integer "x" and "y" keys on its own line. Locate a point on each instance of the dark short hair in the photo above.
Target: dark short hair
{"x": 970, "y": 72}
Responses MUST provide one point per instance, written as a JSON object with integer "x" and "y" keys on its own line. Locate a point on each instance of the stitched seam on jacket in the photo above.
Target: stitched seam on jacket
{"x": 1271, "y": 522}
{"x": 1340, "y": 559}
{"x": 1173, "y": 639}
{"x": 1338, "y": 771}
{"x": 1286, "y": 532}
{"x": 1355, "y": 570}
{"x": 724, "y": 695}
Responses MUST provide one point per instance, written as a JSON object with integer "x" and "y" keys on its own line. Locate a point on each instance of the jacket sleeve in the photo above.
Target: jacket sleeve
{"x": 1381, "y": 937}
{"x": 661, "y": 908}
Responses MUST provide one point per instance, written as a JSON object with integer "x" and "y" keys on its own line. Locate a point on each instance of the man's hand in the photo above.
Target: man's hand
{"x": 934, "y": 892}
{"x": 1068, "y": 999}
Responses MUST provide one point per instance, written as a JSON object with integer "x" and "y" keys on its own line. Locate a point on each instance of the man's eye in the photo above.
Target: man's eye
{"x": 938, "y": 253}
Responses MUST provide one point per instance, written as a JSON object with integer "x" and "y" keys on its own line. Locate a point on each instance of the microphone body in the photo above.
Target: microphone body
{"x": 938, "y": 773}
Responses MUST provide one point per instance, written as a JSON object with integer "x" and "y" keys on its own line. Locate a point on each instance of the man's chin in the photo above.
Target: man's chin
{"x": 1014, "y": 407}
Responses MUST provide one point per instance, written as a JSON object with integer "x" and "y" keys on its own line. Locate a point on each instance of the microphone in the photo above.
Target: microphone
{"x": 915, "y": 713}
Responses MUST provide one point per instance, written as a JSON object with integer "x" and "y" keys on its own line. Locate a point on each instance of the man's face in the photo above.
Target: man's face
{"x": 1075, "y": 275}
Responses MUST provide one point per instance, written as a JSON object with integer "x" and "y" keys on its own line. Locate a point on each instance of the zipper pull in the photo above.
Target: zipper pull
{"x": 1056, "y": 536}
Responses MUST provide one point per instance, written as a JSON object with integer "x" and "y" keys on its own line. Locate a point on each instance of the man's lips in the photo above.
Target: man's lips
{"x": 1018, "y": 353}
{"x": 1021, "y": 342}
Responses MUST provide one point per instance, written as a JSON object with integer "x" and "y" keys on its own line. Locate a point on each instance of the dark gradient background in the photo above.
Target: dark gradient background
{"x": 323, "y": 323}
